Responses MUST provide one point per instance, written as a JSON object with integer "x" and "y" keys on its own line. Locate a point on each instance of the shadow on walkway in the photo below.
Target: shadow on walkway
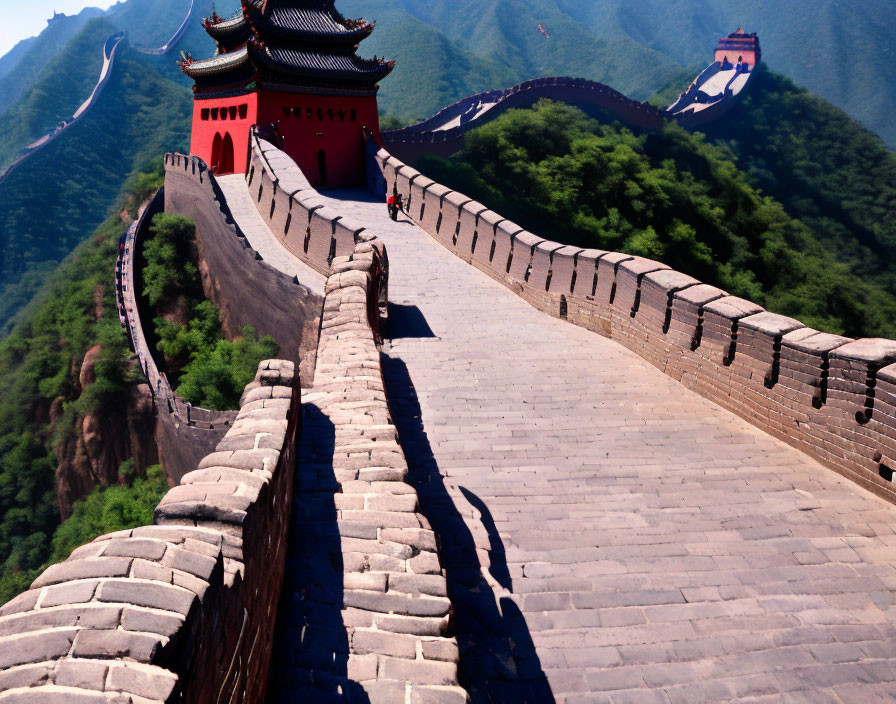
{"x": 406, "y": 322}
{"x": 498, "y": 662}
{"x": 311, "y": 644}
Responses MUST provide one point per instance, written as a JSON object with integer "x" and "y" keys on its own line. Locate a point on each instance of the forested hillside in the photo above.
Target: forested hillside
{"x": 44, "y": 398}
{"x": 49, "y": 204}
{"x": 22, "y": 66}
{"x": 707, "y": 209}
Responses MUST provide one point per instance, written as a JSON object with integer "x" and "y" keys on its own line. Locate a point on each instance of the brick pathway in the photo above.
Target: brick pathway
{"x": 261, "y": 238}
{"x": 640, "y": 544}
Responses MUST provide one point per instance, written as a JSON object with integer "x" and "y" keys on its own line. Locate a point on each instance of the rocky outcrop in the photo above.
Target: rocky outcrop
{"x": 101, "y": 440}
{"x": 182, "y": 610}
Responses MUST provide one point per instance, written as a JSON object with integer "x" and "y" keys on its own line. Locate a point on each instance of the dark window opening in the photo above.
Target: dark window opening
{"x": 205, "y": 113}
{"x": 353, "y": 115}
{"x": 214, "y": 113}
{"x": 244, "y": 111}
{"x": 233, "y": 112}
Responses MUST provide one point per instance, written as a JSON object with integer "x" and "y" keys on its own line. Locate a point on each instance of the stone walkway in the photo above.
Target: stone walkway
{"x": 608, "y": 535}
{"x": 260, "y": 236}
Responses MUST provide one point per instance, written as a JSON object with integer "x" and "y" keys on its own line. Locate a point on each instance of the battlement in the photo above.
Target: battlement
{"x": 832, "y": 397}
{"x": 182, "y": 610}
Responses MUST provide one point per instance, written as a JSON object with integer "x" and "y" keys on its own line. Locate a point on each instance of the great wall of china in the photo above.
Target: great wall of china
{"x": 523, "y": 471}
{"x": 110, "y": 48}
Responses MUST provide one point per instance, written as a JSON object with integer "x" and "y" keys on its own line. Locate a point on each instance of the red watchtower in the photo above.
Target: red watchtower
{"x": 292, "y": 62}
{"x": 739, "y": 48}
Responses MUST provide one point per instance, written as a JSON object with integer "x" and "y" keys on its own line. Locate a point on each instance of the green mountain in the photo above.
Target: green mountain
{"x": 787, "y": 202}
{"x": 49, "y": 204}
{"x": 839, "y": 50}
{"x": 21, "y": 67}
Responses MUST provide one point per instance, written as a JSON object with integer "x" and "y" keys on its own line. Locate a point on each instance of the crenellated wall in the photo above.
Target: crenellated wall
{"x": 184, "y": 434}
{"x": 246, "y": 289}
{"x": 182, "y": 610}
{"x": 310, "y": 229}
{"x": 429, "y": 136}
{"x": 832, "y": 397}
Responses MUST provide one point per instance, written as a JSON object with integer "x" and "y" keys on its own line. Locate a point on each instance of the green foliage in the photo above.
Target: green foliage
{"x": 828, "y": 171}
{"x": 206, "y": 370}
{"x": 39, "y": 363}
{"x": 54, "y": 200}
{"x": 212, "y": 372}
{"x": 110, "y": 509}
{"x": 668, "y": 195}
{"x": 217, "y": 376}
{"x": 169, "y": 271}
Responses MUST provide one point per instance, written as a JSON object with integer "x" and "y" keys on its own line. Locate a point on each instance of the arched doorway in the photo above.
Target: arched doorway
{"x": 226, "y": 166}
{"x": 322, "y": 167}
{"x": 216, "y": 153}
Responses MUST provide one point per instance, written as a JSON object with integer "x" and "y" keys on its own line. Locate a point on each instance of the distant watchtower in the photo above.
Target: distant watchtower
{"x": 739, "y": 48}
{"x": 292, "y": 62}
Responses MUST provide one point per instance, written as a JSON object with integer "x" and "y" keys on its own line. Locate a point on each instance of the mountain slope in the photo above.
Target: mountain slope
{"x": 58, "y": 90}
{"x": 21, "y": 68}
{"x": 839, "y": 50}
{"x": 50, "y": 203}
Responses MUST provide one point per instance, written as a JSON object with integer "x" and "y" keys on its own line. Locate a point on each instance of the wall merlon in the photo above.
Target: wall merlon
{"x": 825, "y": 394}
{"x": 154, "y": 607}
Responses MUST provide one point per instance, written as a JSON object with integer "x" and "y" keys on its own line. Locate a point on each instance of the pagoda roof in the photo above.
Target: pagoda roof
{"x": 306, "y": 23}
{"x": 217, "y": 64}
{"x": 308, "y": 61}
{"x": 294, "y": 42}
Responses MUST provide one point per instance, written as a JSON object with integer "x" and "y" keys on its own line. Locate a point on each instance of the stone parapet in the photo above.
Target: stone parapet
{"x": 309, "y": 229}
{"x": 182, "y": 610}
{"x": 375, "y": 614}
{"x": 829, "y": 396}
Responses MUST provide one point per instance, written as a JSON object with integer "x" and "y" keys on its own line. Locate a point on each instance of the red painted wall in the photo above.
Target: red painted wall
{"x": 340, "y": 138}
{"x": 733, "y": 54}
{"x": 213, "y": 117}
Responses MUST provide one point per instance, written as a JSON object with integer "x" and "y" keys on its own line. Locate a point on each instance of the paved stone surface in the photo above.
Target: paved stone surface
{"x": 608, "y": 535}
{"x": 260, "y": 236}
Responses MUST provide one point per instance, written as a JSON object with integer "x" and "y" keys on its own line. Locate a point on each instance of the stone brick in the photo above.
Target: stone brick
{"x": 441, "y": 649}
{"x": 144, "y": 681}
{"x": 81, "y": 674}
{"x": 164, "y": 624}
{"x": 83, "y": 569}
{"x": 116, "y": 644}
{"x": 152, "y": 595}
{"x": 24, "y": 676}
{"x": 36, "y": 647}
{"x": 438, "y": 695}
{"x": 415, "y": 671}
{"x": 382, "y": 643}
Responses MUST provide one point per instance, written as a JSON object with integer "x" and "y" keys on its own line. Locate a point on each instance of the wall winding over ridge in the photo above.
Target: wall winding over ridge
{"x": 184, "y": 434}
{"x": 182, "y": 610}
{"x": 831, "y": 397}
{"x": 110, "y": 49}
{"x": 411, "y": 142}
{"x": 246, "y": 289}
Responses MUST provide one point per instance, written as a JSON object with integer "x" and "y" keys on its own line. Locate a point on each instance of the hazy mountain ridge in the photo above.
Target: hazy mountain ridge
{"x": 22, "y": 66}
{"x": 46, "y": 210}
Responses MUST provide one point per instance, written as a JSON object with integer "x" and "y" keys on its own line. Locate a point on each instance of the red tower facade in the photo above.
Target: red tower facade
{"x": 739, "y": 48}
{"x": 291, "y": 63}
